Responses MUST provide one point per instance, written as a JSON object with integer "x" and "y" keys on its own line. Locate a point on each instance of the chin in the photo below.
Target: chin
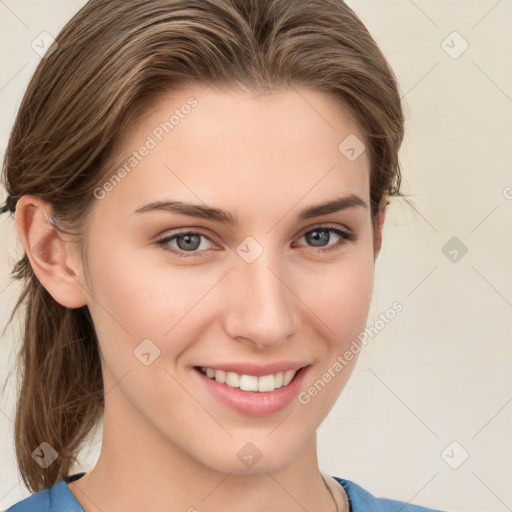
{"x": 249, "y": 458}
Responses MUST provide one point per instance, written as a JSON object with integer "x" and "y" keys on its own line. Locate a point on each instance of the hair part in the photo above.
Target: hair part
{"x": 112, "y": 59}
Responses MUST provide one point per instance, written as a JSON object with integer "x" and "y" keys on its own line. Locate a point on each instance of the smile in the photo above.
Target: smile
{"x": 261, "y": 395}
{"x": 265, "y": 383}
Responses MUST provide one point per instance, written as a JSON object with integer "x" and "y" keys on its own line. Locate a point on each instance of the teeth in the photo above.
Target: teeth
{"x": 250, "y": 382}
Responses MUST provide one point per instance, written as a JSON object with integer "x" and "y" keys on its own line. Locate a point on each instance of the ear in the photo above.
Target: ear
{"x": 53, "y": 259}
{"x": 378, "y": 225}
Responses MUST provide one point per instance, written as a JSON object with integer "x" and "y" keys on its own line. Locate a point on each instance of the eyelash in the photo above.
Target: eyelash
{"x": 345, "y": 237}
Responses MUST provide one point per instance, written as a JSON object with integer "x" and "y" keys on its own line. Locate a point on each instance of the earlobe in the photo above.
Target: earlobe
{"x": 51, "y": 256}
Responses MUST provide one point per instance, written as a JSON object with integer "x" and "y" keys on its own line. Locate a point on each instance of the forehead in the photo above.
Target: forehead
{"x": 234, "y": 150}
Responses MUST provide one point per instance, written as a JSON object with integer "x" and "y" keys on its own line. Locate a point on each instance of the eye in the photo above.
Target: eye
{"x": 186, "y": 241}
{"x": 190, "y": 241}
{"x": 321, "y": 234}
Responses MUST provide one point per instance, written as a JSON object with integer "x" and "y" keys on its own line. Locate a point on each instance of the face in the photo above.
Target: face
{"x": 178, "y": 287}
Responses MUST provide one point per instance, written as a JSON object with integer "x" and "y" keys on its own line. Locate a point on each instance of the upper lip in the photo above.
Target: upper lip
{"x": 257, "y": 370}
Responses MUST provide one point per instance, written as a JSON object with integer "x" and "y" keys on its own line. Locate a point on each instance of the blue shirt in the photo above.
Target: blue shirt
{"x": 59, "y": 498}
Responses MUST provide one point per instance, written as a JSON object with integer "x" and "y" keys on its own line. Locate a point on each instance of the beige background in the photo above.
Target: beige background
{"x": 440, "y": 372}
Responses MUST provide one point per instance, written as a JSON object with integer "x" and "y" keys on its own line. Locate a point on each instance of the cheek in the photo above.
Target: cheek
{"x": 340, "y": 303}
{"x": 138, "y": 296}
{"x": 340, "y": 295}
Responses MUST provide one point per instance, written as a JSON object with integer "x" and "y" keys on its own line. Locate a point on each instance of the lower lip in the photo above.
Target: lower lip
{"x": 254, "y": 403}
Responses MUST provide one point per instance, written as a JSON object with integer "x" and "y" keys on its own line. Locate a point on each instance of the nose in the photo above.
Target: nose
{"x": 262, "y": 308}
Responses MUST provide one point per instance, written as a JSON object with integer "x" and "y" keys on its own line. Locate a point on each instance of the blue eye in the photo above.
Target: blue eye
{"x": 323, "y": 233}
{"x": 187, "y": 242}
{"x": 190, "y": 241}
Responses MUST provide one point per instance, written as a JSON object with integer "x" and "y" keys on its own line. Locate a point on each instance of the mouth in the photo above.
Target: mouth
{"x": 262, "y": 397}
{"x": 248, "y": 382}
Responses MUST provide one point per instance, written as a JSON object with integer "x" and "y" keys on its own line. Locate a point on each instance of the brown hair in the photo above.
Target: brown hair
{"x": 109, "y": 62}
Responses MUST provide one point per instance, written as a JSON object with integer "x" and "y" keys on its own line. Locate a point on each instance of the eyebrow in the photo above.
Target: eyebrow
{"x": 225, "y": 217}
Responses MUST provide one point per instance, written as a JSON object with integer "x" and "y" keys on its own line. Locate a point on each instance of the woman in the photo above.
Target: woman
{"x": 200, "y": 188}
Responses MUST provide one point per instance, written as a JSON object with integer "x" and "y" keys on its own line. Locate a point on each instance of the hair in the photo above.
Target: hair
{"x": 109, "y": 62}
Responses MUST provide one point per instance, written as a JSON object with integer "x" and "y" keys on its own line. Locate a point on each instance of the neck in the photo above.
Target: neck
{"x": 139, "y": 469}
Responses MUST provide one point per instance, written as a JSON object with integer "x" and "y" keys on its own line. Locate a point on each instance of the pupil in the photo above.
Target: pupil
{"x": 189, "y": 242}
{"x": 315, "y": 237}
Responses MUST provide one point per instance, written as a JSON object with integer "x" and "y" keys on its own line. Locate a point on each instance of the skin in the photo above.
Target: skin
{"x": 166, "y": 439}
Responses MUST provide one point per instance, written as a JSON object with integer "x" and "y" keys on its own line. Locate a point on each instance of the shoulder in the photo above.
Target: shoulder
{"x": 57, "y": 498}
{"x": 362, "y": 501}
